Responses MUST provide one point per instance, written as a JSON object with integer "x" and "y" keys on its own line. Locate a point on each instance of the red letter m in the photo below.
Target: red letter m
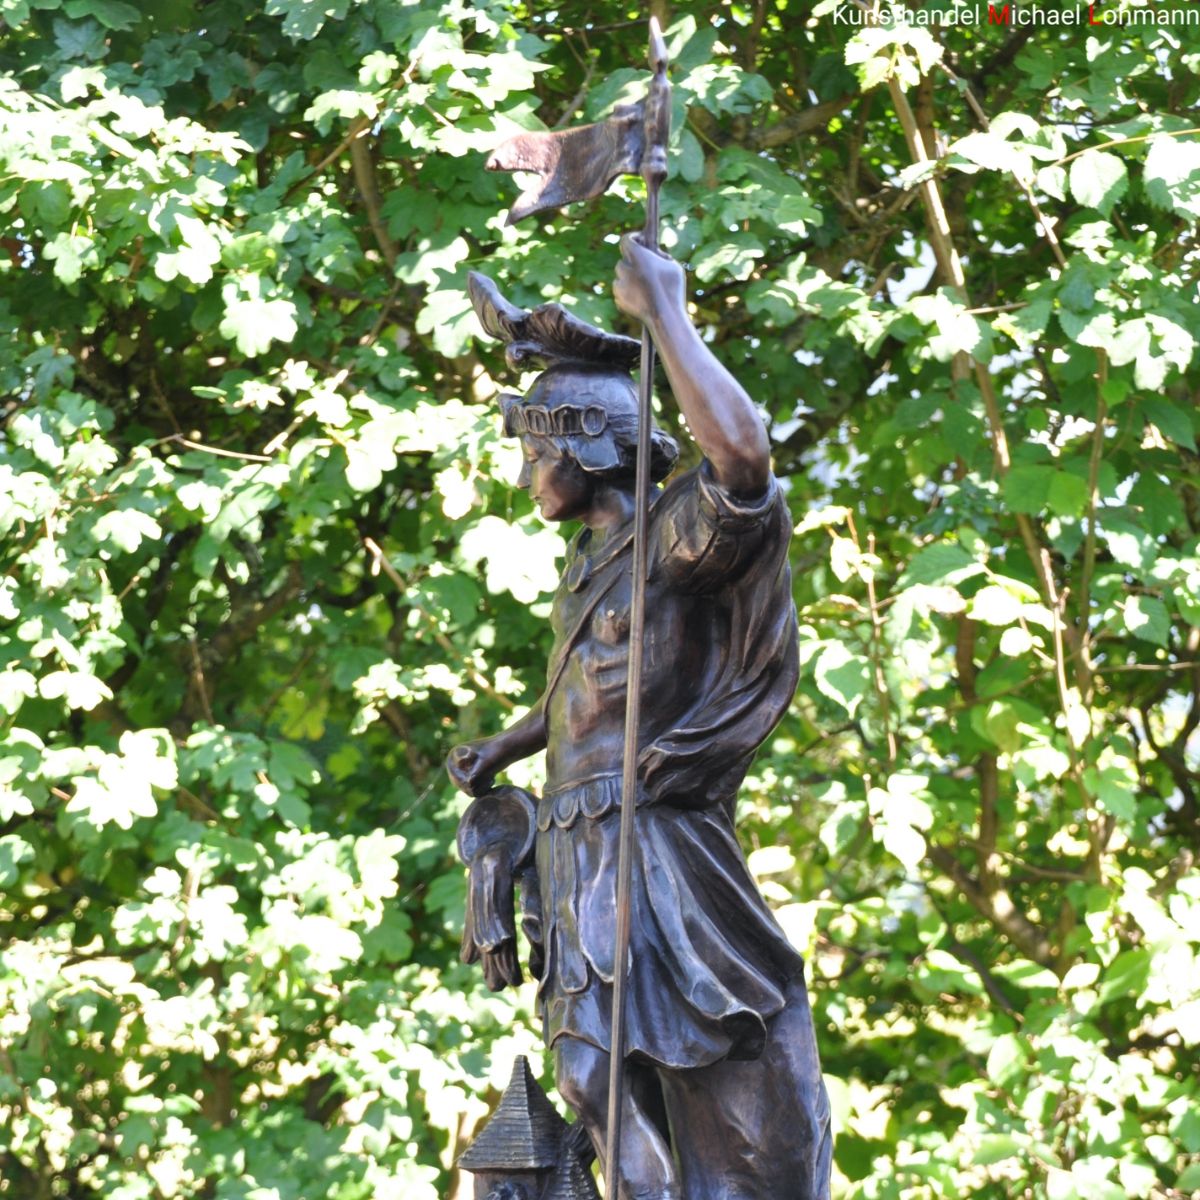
{"x": 1003, "y": 17}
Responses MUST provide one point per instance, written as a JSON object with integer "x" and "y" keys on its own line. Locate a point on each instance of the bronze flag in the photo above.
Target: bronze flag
{"x": 573, "y": 164}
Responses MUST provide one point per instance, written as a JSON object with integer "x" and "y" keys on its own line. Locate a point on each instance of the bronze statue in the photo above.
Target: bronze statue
{"x": 715, "y": 1068}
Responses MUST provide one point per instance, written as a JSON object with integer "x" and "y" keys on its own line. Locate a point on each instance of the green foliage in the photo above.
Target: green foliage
{"x": 261, "y": 566}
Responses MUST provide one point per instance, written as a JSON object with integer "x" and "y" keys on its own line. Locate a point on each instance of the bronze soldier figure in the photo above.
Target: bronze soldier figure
{"x": 722, "y": 1095}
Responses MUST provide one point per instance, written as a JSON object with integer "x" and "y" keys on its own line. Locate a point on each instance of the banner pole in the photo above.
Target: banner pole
{"x": 654, "y": 171}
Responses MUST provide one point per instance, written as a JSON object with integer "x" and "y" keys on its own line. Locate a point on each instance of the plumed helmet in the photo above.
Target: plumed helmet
{"x": 585, "y": 398}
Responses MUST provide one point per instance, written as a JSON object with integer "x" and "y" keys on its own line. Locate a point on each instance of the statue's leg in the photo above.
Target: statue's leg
{"x": 647, "y": 1167}
{"x": 756, "y": 1130}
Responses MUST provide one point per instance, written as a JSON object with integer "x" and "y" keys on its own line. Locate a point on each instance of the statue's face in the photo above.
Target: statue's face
{"x": 556, "y": 483}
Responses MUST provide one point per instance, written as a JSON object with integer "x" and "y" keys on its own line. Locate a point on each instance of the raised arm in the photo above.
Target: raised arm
{"x": 723, "y": 420}
{"x": 473, "y": 766}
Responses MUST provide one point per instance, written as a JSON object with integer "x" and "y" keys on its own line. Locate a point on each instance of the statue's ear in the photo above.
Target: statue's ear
{"x": 595, "y": 453}
{"x": 509, "y": 407}
{"x": 664, "y": 454}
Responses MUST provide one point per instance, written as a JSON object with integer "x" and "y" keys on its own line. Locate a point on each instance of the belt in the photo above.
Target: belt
{"x": 592, "y": 798}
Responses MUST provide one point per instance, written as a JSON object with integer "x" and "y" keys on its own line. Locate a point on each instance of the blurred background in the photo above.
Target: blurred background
{"x": 262, "y": 565}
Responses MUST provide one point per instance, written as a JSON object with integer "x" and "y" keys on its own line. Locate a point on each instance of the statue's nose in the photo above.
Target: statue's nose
{"x": 526, "y": 476}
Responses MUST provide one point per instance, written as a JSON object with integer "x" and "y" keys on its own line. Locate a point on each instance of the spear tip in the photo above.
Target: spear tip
{"x": 658, "y": 47}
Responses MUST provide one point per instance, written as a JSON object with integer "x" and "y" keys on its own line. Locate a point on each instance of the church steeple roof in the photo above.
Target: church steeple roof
{"x": 524, "y": 1132}
{"x": 572, "y": 1181}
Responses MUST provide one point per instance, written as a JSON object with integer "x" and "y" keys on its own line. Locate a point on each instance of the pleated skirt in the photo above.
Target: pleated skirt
{"x": 709, "y": 964}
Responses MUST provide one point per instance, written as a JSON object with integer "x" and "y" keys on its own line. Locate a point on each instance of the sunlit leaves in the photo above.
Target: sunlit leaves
{"x": 256, "y": 315}
{"x": 901, "y": 816}
{"x": 14, "y": 851}
{"x": 366, "y": 461}
{"x": 72, "y": 253}
{"x": 842, "y": 675}
{"x": 900, "y": 49}
{"x": 80, "y": 689}
{"x": 518, "y": 561}
{"x": 1172, "y": 174}
{"x": 1098, "y": 179}
{"x": 1146, "y": 617}
{"x": 941, "y": 562}
{"x": 342, "y": 102}
{"x": 126, "y": 529}
{"x": 304, "y": 19}
{"x": 992, "y": 151}
{"x": 196, "y": 257}
{"x": 447, "y": 316}
{"x": 952, "y": 329}
{"x": 123, "y": 787}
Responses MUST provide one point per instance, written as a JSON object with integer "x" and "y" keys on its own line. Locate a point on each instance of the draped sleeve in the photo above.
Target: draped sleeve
{"x": 734, "y": 552}
{"x": 707, "y": 537}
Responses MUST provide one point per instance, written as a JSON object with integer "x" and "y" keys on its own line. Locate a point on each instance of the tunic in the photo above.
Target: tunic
{"x": 709, "y": 963}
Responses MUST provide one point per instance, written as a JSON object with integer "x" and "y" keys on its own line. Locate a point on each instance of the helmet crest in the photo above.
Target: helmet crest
{"x": 585, "y": 397}
{"x": 548, "y": 335}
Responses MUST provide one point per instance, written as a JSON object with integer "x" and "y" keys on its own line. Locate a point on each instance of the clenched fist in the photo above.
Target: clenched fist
{"x": 648, "y": 282}
{"x": 471, "y": 767}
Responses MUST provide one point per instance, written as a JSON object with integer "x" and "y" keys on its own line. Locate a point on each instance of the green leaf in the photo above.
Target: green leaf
{"x": 941, "y": 562}
{"x": 341, "y": 102}
{"x": 995, "y": 605}
{"x": 1053, "y": 181}
{"x": 903, "y": 842}
{"x": 900, "y": 815}
{"x": 1130, "y": 342}
{"x": 999, "y": 723}
{"x": 1027, "y": 489}
{"x": 390, "y": 941}
{"x": 996, "y": 1147}
{"x": 1025, "y": 974}
{"x": 952, "y": 328}
{"x": 254, "y": 320}
{"x": 126, "y": 529}
{"x": 1125, "y": 977}
{"x": 1186, "y": 594}
{"x": 994, "y": 153}
{"x": 80, "y": 689}
{"x": 304, "y": 19}
{"x": 1189, "y": 1178}
{"x": 796, "y": 214}
{"x": 1146, "y": 617}
{"x": 429, "y": 259}
{"x": 14, "y": 851}
{"x": 196, "y": 258}
{"x": 366, "y": 462}
{"x": 449, "y": 317}
{"x": 1115, "y": 786}
{"x": 240, "y": 511}
{"x": 110, "y": 13}
{"x": 16, "y": 686}
{"x": 842, "y": 676}
{"x": 95, "y": 804}
{"x": 1027, "y": 325}
{"x": 82, "y": 39}
{"x": 1131, "y": 545}
{"x": 1097, "y": 327}
{"x": 71, "y": 254}
{"x": 690, "y": 158}
{"x": 732, "y": 256}
{"x": 1098, "y": 180}
{"x": 253, "y": 251}
{"x": 842, "y": 825}
{"x": 1172, "y": 175}
{"x": 1005, "y": 1059}
{"x": 1177, "y": 423}
{"x": 1067, "y": 495}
